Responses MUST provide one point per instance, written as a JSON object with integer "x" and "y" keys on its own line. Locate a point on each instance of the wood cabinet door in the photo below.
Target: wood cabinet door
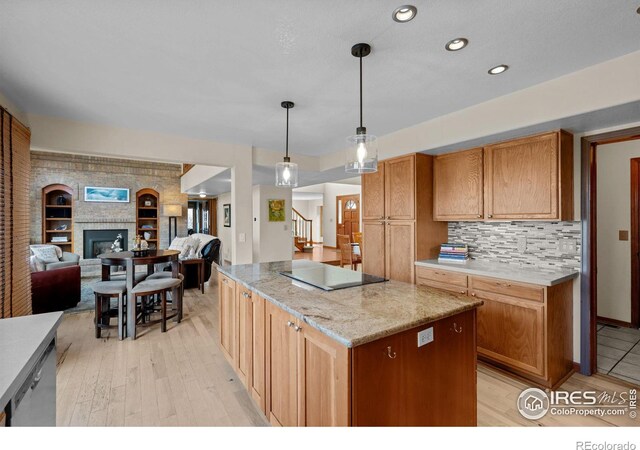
{"x": 521, "y": 179}
{"x": 373, "y": 194}
{"x": 377, "y": 383}
{"x": 442, "y": 393}
{"x": 281, "y": 352}
{"x": 244, "y": 334}
{"x": 400, "y": 186}
{"x": 226, "y": 306}
{"x": 400, "y": 250}
{"x": 458, "y": 186}
{"x": 257, "y": 377}
{"x": 373, "y": 248}
{"x": 511, "y": 331}
{"x": 324, "y": 391}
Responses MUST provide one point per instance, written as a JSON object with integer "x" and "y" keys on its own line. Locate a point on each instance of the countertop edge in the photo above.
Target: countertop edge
{"x": 354, "y": 343}
{"x": 6, "y": 396}
{"x": 487, "y": 273}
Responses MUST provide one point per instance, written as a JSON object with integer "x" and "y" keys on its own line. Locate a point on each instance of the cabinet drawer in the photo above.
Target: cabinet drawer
{"x": 520, "y": 290}
{"x": 442, "y": 276}
{"x": 438, "y": 285}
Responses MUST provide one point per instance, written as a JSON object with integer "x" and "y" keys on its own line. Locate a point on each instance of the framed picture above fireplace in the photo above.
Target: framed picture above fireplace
{"x": 106, "y": 194}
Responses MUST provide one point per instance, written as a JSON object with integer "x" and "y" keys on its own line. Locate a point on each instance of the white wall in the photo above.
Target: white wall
{"x": 275, "y": 241}
{"x": 224, "y": 233}
{"x": 331, "y": 191}
{"x": 614, "y": 214}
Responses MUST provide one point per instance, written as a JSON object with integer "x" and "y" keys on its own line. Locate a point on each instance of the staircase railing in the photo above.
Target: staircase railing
{"x": 302, "y": 228}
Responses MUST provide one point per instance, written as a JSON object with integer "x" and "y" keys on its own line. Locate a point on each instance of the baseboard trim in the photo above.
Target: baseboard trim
{"x": 615, "y": 322}
{"x": 329, "y": 246}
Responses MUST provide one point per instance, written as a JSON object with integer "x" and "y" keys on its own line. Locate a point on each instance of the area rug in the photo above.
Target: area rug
{"x": 87, "y": 299}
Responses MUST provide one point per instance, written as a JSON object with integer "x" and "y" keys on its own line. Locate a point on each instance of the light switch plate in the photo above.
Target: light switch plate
{"x": 242, "y": 237}
{"x": 425, "y": 336}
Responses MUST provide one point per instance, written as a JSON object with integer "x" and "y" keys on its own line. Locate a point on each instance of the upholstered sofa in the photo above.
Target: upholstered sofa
{"x": 209, "y": 249}
{"x": 55, "y": 286}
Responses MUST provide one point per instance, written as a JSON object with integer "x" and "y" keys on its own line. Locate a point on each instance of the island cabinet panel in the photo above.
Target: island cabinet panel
{"x": 458, "y": 186}
{"x": 323, "y": 380}
{"x": 400, "y": 189}
{"x": 373, "y": 195}
{"x": 226, "y": 309}
{"x": 530, "y": 178}
{"x": 257, "y": 371}
{"x": 244, "y": 335}
{"x": 397, "y": 383}
{"x": 373, "y": 247}
{"x": 308, "y": 374}
{"x": 282, "y": 381}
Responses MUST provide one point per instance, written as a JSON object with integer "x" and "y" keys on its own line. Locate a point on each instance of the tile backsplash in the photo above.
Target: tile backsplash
{"x": 548, "y": 244}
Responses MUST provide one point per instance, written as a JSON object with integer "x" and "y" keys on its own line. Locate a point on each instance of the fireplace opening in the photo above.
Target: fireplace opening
{"x": 97, "y": 242}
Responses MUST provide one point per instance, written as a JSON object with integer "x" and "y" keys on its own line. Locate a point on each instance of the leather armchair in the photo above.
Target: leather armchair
{"x": 55, "y": 290}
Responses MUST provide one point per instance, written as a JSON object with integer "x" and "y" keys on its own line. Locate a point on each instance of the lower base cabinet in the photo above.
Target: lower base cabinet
{"x": 298, "y": 376}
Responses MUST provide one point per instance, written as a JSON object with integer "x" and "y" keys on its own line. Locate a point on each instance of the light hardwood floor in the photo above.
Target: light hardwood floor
{"x": 181, "y": 378}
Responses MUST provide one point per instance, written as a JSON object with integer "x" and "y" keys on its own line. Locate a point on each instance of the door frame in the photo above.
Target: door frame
{"x": 343, "y": 197}
{"x": 635, "y": 242}
{"x": 588, "y": 218}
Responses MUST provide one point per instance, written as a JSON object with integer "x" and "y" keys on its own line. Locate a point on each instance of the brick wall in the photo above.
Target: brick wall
{"x": 78, "y": 171}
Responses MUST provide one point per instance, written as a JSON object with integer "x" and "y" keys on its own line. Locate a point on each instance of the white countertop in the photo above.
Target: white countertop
{"x": 503, "y": 271}
{"x": 22, "y": 341}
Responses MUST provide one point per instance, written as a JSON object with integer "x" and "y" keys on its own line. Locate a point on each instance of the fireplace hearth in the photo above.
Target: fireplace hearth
{"x": 97, "y": 242}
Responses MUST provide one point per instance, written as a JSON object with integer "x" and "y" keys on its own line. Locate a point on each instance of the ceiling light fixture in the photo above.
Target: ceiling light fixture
{"x": 286, "y": 171}
{"x": 202, "y": 194}
{"x": 456, "y": 44}
{"x": 362, "y": 155}
{"x": 404, "y": 13}
{"x": 498, "y": 69}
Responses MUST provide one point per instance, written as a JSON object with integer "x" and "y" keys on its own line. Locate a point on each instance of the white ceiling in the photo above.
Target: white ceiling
{"x": 219, "y": 69}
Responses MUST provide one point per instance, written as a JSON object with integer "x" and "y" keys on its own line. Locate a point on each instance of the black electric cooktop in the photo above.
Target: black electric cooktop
{"x": 330, "y": 278}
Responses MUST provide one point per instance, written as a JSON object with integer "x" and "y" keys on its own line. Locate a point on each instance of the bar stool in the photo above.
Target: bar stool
{"x": 161, "y": 275}
{"x": 150, "y": 288}
{"x": 104, "y": 291}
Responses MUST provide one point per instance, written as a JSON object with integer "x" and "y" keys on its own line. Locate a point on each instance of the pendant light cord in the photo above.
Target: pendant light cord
{"x": 287, "y": 140}
{"x": 360, "y": 91}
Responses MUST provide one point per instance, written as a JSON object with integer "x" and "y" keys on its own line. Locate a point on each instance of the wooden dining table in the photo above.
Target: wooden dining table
{"x": 129, "y": 261}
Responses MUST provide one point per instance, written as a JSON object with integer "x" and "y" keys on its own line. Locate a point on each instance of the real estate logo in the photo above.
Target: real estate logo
{"x": 533, "y": 403}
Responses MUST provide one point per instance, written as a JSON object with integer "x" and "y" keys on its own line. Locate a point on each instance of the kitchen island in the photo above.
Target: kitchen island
{"x": 388, "y": 353}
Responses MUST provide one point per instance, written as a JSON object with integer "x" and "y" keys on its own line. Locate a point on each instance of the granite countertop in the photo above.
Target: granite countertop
{"x": 352, "y": 316}
{"x": 523, "y": 274}
{"x": 22, "y": 341}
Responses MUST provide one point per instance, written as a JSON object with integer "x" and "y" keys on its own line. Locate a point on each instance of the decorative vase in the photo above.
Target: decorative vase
{"x": 61, "y": 200}
{"x": 147, "y": 235}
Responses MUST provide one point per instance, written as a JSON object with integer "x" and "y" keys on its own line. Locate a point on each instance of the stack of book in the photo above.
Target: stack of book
{"x": 59, "y": 239}
{"x": 453, "y": 253}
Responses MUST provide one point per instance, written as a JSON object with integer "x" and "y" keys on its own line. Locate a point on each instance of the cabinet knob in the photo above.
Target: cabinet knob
{"x": 289, "y": 323}
{"x": 297, "y": 328}
{"x": 479, "y": 216}
{"x": 462, "y": 292}
{"x": 390, "y": 353}
{"x": 473, "y": 294}
{"x": 456, "y": 328}
{"x": 490, "y": 216}
{"x": 382, "y": 222}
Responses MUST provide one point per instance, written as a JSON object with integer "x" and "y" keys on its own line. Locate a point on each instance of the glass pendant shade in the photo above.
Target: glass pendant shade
{"x": 362, "y": 154}
{"x": 286, "y": 174}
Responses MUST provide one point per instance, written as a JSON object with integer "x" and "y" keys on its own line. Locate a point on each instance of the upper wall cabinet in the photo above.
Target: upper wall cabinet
{"x": 530, "y": 178}
{"x": 373, "y": 194}
{"x": 458, "y": 186}
{"x": 523, "y": 179}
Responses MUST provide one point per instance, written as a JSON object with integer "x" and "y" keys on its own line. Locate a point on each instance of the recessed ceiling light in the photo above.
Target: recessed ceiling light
{"x": 456, "y": 44}
{"x": 498, "y": 69}
{"x": 404, "y": 13}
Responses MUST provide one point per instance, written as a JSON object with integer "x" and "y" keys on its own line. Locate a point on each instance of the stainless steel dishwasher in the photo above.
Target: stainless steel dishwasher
{"x": 34, "y": 405}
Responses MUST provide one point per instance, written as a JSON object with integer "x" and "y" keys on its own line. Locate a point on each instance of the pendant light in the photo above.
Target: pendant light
{"x": 362, "y": 155}
{"x": 286, "y": 171}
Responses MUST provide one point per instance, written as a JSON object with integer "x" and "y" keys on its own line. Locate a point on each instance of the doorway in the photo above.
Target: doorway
{"x": 202, "y": 216}
{"x": 347, "y": 214}
{"x": 609, "y": 345}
